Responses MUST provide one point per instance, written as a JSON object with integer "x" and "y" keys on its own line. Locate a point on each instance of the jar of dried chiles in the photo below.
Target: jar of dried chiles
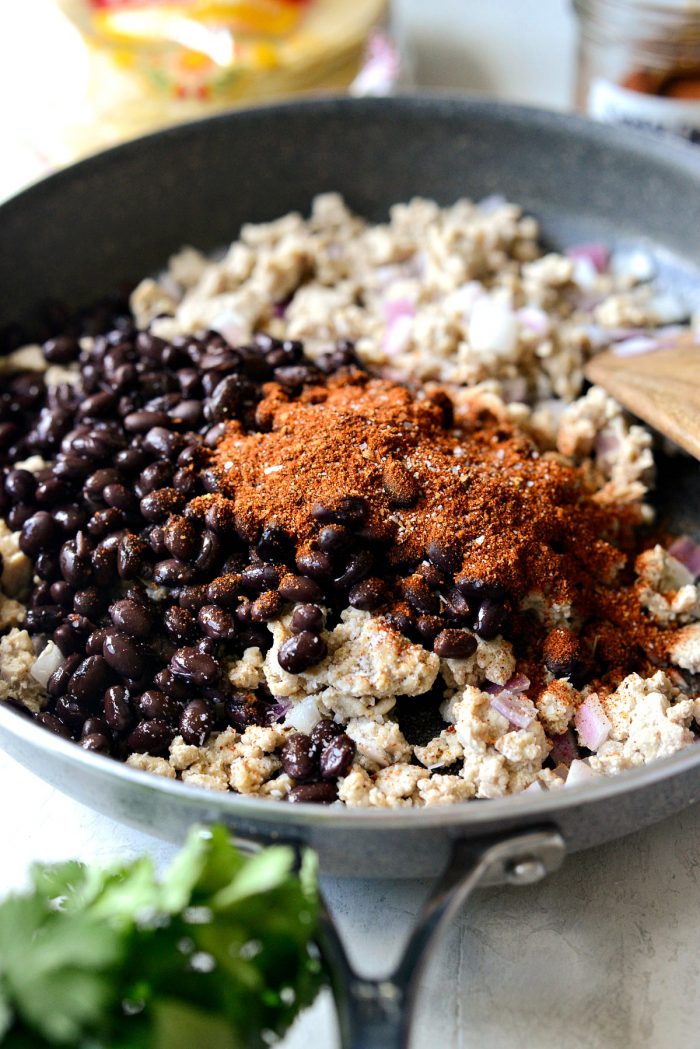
{"x": 639, "y": 63}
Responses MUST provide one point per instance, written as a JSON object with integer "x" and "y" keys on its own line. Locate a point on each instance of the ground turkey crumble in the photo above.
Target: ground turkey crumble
{"x": 462, "y": 300}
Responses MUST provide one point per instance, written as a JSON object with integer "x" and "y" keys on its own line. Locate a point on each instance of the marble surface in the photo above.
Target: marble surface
{"x": 601, "y": 955}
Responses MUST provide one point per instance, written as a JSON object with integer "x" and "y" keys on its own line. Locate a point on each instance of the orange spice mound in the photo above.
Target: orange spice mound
{"x": 483, "y": 489}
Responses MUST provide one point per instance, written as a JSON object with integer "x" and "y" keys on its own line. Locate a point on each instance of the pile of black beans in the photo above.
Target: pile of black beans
{"x": 146, "y": 599}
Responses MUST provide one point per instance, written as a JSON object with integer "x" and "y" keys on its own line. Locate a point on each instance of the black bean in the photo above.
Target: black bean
{"x": 123, "y": 654}
{"x": 216, "y": 623}
{"x": 209, "y": 554}
{"x": 299, "y": 757}
{"x": 44, "y": 619}
{"x": 490, "y": 619}
{"x": 142, "y": 421}
{"x": 337, "y": 757}
{"x": 38, "y": 533}
{"x": 20, "y": 485}
{"x": 117, "y": 710}
{"x": 62, "y": 594}
{"x": 368, "y": 595}
{"x": 429, "y": 627}
{"x": 419, "y": 596}
{"x": 165, "y": 681}
{"x": 61, "y": 350}
{"x": 314, "y": 793}
{"x": 194, "y": 597}
{"x": 196, "y": 722}
{"x": 316, "y": 564}
{"x": 194, "y": 667}
{"x": 220, "y": 516}
{"x": 258, "y": 578}
{"x": 358, "y": 567}
{"x": 445, "y": 555}
{"x": 181, "y": 538}
{"x": 163, "y": 443}
{"x": 156, "y": 475}
{"x": 104, "y": 561}
{"x": 323, "y": 732}
{"x": 103, "y": 522}
{"x": 457, "y": 606}
{"x": 69, "y": 712}
{"x": 95, "y": 642}
{"x": 75, "y": 564}
{"x": 274, "y": 544}
{"x": 351, "y": 510}
{"x": 131, "y": 617}
{"x": 307, "y": 617}
{"x": 180, "y": 625}
{"x": 95, "y": 724}
{"x": 302, "y": 651}
{"x": 120, "y": 497}
{"x": 150, "y": 737}
{"x": 455, "y": 644}
{"x": 477, "y": 588}
{"x": 299, "y": 588}
{"x": 97, "y": 406}
{"x": 266, "y": 607}
{"x": 244, "y": 708}
{"x": 69, "y": 519}
{"x": 158, "y": 506}
{"x": 89, "y": 680}
{"x": 227, "y": 398}
{"x": 46, "y": 566}
{"x": 225, "y": 590}
{"x": 333, "y": 539}
{"x": 132, "y": 556}
{"x": 173, "y": 573}
{"x": 96, "y": 742}
{"x": 156, "y": 705}
{"x": 89, "y": 602}
{"x": 58, "y": 682}
{"x": 17, "y": 515}
{"x": 52, "y": 723}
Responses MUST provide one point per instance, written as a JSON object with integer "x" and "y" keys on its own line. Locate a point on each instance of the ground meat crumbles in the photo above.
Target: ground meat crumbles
{"x": 309, "y": 570}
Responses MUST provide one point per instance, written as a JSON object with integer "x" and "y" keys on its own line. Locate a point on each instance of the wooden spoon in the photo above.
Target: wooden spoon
{"x": 662, "y": 387}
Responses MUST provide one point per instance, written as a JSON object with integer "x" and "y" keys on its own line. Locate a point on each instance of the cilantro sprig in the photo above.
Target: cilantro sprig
{"x": 219, "y": 953}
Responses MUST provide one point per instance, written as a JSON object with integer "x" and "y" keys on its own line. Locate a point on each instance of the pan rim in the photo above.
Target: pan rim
{"x": 264, "y": 811}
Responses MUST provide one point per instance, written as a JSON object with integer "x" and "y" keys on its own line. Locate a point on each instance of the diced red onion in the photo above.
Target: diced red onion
{"x": 685, "y": 550}
{"x": 279, "y": 709}
{"x": 393, "y": 308}
{"x": 592, "y": 723}
{"x": 534, "y": 788}
{"x": 519, "y": 711}
{"x": 580, "y": 772}
{"x": 635, "y": 263}
{"x": 380, "y": 70}
{"x": 596, "y": 253}
{"x": 564, "y": 749}
{"x": 636, "y": 346}
{"x": 534, "y": 319}
{"x": 492, "y": 203}
{"x": 516, "y": 683}
{"x": 397, "y": 337}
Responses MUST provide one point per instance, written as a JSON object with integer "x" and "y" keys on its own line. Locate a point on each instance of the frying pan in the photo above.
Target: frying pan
{"x": 120, "y": 214}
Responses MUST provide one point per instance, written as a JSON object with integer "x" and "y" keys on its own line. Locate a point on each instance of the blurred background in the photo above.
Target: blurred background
{"x": 79, "y": 75}
{"x": 76, "y": 75}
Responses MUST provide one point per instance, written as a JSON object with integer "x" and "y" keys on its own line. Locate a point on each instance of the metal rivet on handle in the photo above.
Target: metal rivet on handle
{"x": 525, "y": 872}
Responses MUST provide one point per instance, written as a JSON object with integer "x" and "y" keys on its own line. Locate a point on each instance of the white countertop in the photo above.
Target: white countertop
{"x": 602, "y": 955}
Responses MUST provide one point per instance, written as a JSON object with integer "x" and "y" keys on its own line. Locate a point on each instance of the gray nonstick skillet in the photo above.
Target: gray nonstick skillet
{"x": 120, "y": 214}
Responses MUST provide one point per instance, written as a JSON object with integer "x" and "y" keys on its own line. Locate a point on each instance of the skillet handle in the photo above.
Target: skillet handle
{"x": 377, "y": 1014}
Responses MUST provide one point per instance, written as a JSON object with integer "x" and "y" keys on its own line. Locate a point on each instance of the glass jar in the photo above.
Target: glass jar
{"x": 639, "y": 64}
{"x": 152, "y": 63}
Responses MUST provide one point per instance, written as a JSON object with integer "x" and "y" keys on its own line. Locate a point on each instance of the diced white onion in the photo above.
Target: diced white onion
{"x": 303, "y": 716}
{"x": 493, "y": 327}
{"x": 579, "y": 772}
{"x": 47, "y": 663}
